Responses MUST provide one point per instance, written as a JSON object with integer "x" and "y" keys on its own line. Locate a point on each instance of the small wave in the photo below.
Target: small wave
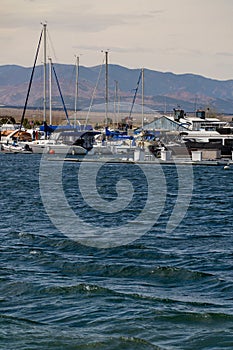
{"x": 170, "y": 301}
{"x": 215, "y": 340}
{"x": 16, "y": 289}
{"x": 82, "y": 288}
{"x": 19, "y": 320}
{"x": 129, "y": 343}
{"x": 201, "y": 318}
{"x": 163, "y": 272}
{"x": 179, "y": 273}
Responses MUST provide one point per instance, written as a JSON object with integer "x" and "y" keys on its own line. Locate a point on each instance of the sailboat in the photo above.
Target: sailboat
{"x": 111, "y": 142}
{"x": 66, "y": 139}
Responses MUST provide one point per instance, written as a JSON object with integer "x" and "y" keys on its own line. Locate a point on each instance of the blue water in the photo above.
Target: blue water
{"x": 165, "y": 290}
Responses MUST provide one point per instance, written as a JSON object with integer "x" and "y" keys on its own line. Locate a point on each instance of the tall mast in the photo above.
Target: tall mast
{"x": 106, "y": 88}
{"x": 45, "y": 72}
{"x": 76, "y": 91}
{"x": 142, "y": 98}
{"x": 30, "y": 83}
{"x": 50, "y": 90}
{"x": 116, "y": 103}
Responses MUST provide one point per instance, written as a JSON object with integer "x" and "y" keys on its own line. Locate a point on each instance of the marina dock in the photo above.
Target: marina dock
{"x": 175, "y": 161}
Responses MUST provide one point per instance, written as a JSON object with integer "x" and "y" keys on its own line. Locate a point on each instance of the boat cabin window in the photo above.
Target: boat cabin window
{"x": 200, "y": 114}
{"x": 178, "y": 114}
{"x": 196, "y": 126}
{"x": 210, "y": 128}
{"x": 216, "y": 140}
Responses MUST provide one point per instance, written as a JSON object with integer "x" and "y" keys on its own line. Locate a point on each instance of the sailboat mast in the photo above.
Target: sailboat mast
{"x": 50, "y": 91}
{"x": 76, "y": 90}
{"x": 45, "y": 71}
{"x": 30, "y": 83}
{"x": 106, "y": 88}
{"x": 116, "y": 103}
{"x": 142, "y": 98}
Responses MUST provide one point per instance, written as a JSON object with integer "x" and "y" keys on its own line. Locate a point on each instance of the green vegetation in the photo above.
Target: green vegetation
{"x": 5, "y": 120}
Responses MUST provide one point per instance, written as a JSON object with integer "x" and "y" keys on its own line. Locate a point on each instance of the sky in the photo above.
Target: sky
{"x": 179, "y": 36}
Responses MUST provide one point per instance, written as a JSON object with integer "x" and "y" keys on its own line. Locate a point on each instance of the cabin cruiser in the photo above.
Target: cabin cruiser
{"x": 113, "y": 142}
{"x": 65, "y": 141}
{"x": 11, "y": 139}
{"x": 15, "y": 148}
{"x": 193, "y": 133}
{"x": 10, "y": 135}
{"x": 208, "y": 133}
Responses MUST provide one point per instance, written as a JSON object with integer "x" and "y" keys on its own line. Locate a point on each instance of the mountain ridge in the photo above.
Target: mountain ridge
{"x": 161, "y": 89}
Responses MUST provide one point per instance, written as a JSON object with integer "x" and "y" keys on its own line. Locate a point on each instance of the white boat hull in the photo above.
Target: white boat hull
{"x": 13, "y": 149}
{"x": 58, "y": 149}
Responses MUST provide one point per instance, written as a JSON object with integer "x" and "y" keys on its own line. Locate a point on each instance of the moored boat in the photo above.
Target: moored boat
{"x": 183, "y": 134}
{"x": 66, "y": 141}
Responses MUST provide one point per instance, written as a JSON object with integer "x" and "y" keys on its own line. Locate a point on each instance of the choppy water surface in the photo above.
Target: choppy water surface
{"x": 165, "y": 290}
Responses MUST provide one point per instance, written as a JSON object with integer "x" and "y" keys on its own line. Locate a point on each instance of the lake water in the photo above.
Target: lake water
{"x": 160, "y": 289}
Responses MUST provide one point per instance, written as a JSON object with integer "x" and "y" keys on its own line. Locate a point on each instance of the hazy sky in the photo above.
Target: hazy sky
{"x": 179, "y": 36}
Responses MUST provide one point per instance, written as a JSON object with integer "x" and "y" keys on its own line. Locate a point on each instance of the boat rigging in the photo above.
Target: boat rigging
{"x": 43, "y": 34}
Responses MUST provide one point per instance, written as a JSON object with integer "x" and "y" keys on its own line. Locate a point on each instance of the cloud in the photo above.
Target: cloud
{"x": 118, "y": 49}
{"x": 84, "y": 16}
{"x": 180, "y": 35}
{"x": 181, "y": 51}
{"x": 225, "y": 54}
{"x": 92, "y": 23}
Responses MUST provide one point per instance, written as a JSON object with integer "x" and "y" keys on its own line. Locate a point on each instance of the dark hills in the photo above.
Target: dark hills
{"x": 161, "y": 90}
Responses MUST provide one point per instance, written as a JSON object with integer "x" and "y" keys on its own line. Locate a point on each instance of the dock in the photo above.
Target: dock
{"x": 173, "y": 161}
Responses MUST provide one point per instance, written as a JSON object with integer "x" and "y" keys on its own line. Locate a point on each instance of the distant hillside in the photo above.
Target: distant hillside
{"x": 162, "y": 90}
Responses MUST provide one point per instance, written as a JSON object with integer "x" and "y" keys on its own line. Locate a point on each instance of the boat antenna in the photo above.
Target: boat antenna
{"x": 30, "y": 82}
